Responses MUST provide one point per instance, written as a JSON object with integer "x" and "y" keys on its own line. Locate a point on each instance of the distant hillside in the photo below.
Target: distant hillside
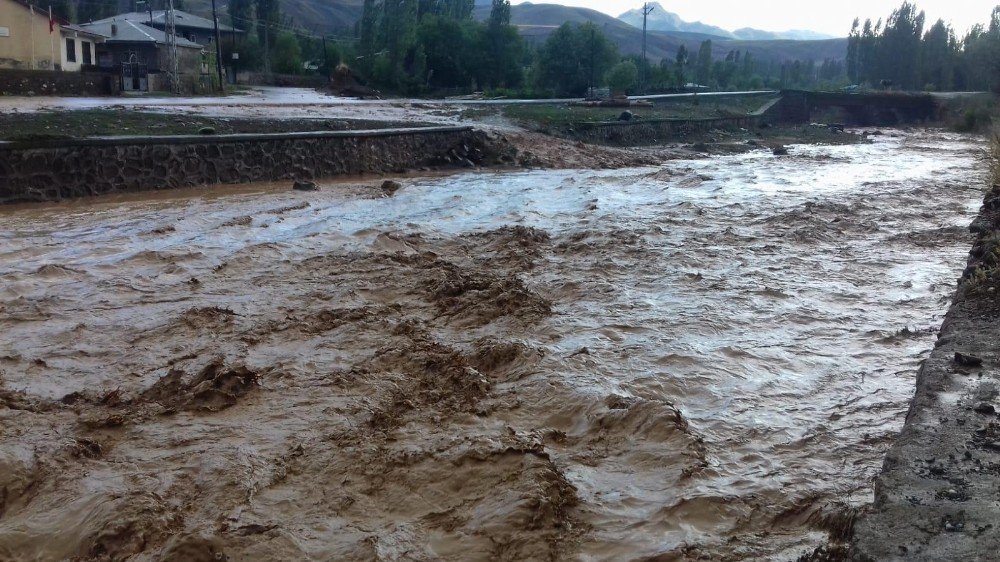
{"x": 662, "y": 20}
{"x": 751, "y": 34}
{"x": 336, "y": 17}
{"x": 538, "y": 21}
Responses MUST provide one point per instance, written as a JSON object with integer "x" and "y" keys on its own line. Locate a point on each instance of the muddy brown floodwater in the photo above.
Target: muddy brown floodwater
{"x": 706, "y": 360}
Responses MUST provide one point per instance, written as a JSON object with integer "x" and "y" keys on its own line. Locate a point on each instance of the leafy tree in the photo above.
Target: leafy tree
{"x": 937, "y": 57}
{"x": 399, "y": 26}
{"x": 504, "y": 49}
{"x": 368, "y": 32}
{"x": 249, "y": 49}
{"x": 444, "y": 43}
{"x": 680, "y": 66}
{"x": 287, "y": 54}
{"x": 268, "y": 14}
{"x": 904, "y": 54}
{"x": 901, "y": 42}
{"x": 95, "y": 10}
{"x": 623, "y": 76}
{"x": 575, "y": 57}
{"x": 703, "y": 68}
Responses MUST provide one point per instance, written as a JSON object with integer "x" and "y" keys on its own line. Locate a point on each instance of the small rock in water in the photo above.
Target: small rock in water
{"x": 303, "y": 185}
{"x": 985, "y": 408}
{"x": 779, "y": 151}
{"x": 389, "y": 187}
{"x": 968, "y": 360}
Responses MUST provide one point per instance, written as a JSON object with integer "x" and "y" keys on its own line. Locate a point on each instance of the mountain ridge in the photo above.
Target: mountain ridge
{"x": 537, "y": 21}
{"x": 663, "y": 20}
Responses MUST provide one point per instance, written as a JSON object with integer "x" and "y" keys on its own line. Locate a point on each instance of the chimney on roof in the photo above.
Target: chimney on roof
{"x": 114, "y": 29}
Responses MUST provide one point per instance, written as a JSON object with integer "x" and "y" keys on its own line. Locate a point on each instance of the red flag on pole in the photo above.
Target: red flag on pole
{"x": 52, "y": 21}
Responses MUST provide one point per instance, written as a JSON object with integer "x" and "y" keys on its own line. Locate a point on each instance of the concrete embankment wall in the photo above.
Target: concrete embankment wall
{"x": 654, "y": 131}
{"x": 55, "y": 170}
{"x": 938, "y": 497}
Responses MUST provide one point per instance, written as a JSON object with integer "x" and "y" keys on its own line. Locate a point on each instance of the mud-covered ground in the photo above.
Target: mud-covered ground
{"x": 700, "y": 360}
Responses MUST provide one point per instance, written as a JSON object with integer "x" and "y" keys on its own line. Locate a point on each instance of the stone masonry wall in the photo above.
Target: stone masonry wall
{"x": 56, "y": 83}
{"x": 653, "y": 131}
{"x": 51, "y": 171}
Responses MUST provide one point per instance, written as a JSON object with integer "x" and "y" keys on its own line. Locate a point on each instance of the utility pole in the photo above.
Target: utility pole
{"x": 593, "y": 47}
{"x": 326, "y": 58}
{"x": 267, "y": 49}
{"x": 218, "y": 49}
{"x": 646, "y": 10}
{"x": 171, "y": 29}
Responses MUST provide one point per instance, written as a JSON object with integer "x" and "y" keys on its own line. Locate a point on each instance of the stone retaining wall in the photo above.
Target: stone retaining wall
{"x": 654, "y": 131}
{"x": 15, "y": 82}
{"x": 55, "y": 170}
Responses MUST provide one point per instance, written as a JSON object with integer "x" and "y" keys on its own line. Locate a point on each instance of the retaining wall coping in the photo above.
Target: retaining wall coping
{"x": 638, "y": 123}
{"x": 145, "y": 140}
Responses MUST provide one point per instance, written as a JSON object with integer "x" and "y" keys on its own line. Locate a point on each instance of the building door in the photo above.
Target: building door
{"x": 135, "y": 77}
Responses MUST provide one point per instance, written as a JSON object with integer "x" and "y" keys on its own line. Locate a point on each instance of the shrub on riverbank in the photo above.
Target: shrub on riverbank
{"x": 982, "y": 276}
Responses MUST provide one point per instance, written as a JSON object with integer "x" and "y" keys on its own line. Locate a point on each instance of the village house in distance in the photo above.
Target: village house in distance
{"x": 30, "y": 40}
{"x": 131, "y": 50}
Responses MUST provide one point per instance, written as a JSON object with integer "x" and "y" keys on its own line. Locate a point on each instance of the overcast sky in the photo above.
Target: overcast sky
{"x": 833, "y": 17}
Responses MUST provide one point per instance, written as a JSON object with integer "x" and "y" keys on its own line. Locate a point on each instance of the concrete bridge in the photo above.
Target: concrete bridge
{"x": 859, "y": 108}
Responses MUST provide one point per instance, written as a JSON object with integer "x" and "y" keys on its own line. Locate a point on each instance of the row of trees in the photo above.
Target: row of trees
{"x": 740, "y": 70}
{"x": 419, "y": 45}
{"x": 427, "y": 46}
{"x": 902, "y": 52}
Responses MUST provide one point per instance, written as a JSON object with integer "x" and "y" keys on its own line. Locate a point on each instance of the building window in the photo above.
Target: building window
{"x": 87, "y": 57}
{"x": 70, "y": 50}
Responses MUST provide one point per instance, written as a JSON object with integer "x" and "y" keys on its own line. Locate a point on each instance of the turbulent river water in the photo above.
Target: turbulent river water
{"x": 706, "y": 360}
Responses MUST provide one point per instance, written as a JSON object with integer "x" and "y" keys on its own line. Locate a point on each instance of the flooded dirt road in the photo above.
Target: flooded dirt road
{"x": 706, "y": 360}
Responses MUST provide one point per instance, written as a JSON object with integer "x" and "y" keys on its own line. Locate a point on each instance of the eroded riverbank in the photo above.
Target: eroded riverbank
{"x": 707, "y": 359}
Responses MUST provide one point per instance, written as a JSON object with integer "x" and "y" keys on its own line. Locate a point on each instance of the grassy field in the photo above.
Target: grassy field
{"x": 113, "y": 122}
{"x": 541, "y": 117}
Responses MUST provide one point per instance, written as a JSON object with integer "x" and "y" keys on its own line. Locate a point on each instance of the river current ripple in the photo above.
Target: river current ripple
{"x": 779, "y": 306}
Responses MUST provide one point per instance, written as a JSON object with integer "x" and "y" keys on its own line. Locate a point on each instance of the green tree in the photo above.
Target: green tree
{"x": 95, "y": 10}
{"x": 241, "y": 13}
{"x": 680, "y": 66}
{"x": 504, "y": 49}
{"x": 398, "y": 33}
{"x": 937, "y": 57}
{"x": 368, "y": 33}
{"x": 445, "y": 43}
{"x": 250, "y": 52}
{"x": 900, "y": 43}
{"x": 703, "y": 68}
{"x": 287, "y": 54}
{"x": 575, "y": 57}
{"x": 623, "y": 76}
{"x": 268, "y": 14}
